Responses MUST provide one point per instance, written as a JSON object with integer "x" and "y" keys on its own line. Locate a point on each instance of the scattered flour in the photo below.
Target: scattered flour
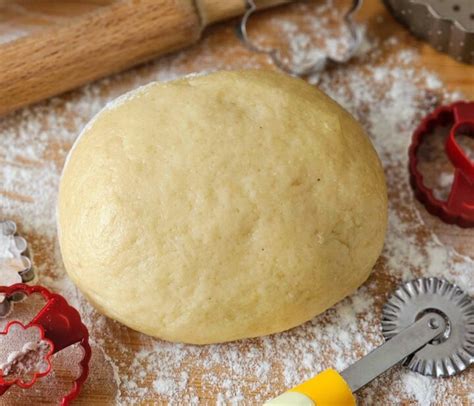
{"x": 6, "y": 244}
{"x": 24, "y": 353}
{"x": 386, "y": 93}
{"x": 443, "y": 187}
{"x": 420, "y": 388}
{"x": 29, "y": 360}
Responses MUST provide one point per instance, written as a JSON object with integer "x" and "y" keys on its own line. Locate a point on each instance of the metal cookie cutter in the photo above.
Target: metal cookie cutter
{"x": 59, "y": 326}
{"x": 459, "y": 208}
{"x": 448, "y": 25}
{"x": 428, "y": 325}
{"x": 314, "y": 66}
{"x": 15, "y": 264}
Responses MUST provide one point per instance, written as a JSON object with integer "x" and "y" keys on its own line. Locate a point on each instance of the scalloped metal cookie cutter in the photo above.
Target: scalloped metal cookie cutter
{"x": 61, "y": 326}
{"x": 448, "y": 25}
{"x": 428, "y": 326}
{"x": 15, "y": 264}
{"x": 459, "y": 208}
{"x": 311, "y": 67}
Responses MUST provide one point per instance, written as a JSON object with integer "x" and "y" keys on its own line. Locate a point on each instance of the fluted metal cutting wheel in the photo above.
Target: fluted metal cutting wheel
{"x": 448, "y": 354}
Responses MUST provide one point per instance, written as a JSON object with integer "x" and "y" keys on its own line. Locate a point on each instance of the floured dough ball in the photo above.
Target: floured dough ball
{"x": 220, "y": 207}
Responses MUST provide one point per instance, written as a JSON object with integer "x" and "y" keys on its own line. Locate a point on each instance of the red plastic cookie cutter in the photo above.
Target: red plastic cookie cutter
{"x": 36, "y": 374}
{"x": 459, "y": 208}
{"x": 59, "y": 324}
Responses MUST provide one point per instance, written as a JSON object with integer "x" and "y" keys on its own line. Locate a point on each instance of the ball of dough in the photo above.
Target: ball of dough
{"x": 221, "y": 207}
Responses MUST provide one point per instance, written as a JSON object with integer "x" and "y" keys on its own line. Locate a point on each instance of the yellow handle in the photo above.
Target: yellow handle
{"x": 326, "y": 389}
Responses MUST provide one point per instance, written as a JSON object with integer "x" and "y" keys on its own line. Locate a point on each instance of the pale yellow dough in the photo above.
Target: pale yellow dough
{"x": 221, "y": 207}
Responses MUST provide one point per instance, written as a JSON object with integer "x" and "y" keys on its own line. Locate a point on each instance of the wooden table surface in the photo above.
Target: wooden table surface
{"x": 219, "y": 40}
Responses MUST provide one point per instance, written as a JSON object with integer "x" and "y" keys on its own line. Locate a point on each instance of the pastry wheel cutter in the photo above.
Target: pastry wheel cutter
{"x": 428, "y": 325}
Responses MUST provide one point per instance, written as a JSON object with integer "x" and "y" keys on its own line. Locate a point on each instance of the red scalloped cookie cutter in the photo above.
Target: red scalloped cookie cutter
{"x": 61, "y": 325}
{"x": 37, "y": 374}
{"x": 459, "y": 208}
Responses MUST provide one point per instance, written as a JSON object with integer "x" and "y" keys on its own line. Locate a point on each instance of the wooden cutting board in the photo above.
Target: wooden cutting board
{"x": 27, "y": 17}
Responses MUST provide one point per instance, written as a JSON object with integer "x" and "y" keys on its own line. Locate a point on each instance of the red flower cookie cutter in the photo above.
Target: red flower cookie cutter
{"x": 60, "y": 325}
{"x": 459, "y": 208}
{"x": 19, "y": 381}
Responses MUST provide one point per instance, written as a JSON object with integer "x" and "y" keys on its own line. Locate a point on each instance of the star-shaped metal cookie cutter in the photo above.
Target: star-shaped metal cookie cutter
{"x": 313, "y": 66}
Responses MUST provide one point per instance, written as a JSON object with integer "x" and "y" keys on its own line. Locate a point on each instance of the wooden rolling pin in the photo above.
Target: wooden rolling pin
{"x": 115, "y": 37}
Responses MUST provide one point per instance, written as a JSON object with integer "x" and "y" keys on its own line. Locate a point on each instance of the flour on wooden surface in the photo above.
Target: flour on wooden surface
{"x": 445, "y": 181}
{"x": 27, "y": 361}
{"x": 6, "y": 245}
{"x": 23, "y": 353}
{"x": 388, "y": 96}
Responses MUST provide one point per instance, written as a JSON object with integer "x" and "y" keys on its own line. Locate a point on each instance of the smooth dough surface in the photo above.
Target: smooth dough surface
{"x": 220, "y": 207}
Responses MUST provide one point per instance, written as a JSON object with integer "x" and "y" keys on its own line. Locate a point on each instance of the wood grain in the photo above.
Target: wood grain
{"x": 108, "y": 40}
{"x": 92, "y": 41}
{"x": 456, "y": 75}
{"x": 217, "y": 10}
{"x": 99, "y": 389}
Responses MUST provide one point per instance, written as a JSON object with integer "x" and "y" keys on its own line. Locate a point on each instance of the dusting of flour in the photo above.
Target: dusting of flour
{"x": 383, "y": 90}
{"x": 6, "y": 242}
